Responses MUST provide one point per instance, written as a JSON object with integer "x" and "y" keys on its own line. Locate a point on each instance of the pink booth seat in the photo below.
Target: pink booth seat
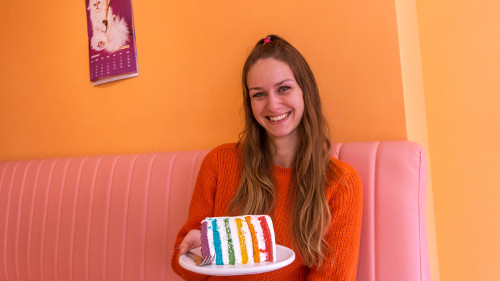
{"x": 116, "y": 217}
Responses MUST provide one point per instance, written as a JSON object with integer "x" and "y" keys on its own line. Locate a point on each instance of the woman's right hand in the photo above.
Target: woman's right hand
{"x": 191, "y": 240}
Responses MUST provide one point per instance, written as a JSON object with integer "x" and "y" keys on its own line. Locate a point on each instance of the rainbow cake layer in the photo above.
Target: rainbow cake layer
{"x": 238, "y": 240}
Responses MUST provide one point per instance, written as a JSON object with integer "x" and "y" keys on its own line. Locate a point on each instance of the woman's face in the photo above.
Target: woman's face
{"x": 276, "y": 98}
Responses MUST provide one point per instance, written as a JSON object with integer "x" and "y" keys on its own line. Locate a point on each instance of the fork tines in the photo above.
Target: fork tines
{"x": 208, "y": 260}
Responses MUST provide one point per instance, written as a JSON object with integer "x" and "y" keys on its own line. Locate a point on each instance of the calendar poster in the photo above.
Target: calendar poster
{"x": 112, "y": 49}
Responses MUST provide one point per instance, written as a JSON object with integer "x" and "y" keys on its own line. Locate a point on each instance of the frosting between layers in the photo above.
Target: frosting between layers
{"x": 238, "y": 240}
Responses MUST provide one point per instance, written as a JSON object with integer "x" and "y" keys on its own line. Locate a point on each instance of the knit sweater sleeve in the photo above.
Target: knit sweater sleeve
{"x": 202, "y": 206}
{"x": 346, "y": 205}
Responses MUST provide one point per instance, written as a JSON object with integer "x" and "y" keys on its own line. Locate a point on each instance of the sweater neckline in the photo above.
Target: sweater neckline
{"x": 279, "y": 167}
{"x": 279, "y": 171}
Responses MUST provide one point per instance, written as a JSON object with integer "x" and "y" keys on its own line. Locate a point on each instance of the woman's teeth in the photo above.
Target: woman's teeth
{"x": 279, "y": 117}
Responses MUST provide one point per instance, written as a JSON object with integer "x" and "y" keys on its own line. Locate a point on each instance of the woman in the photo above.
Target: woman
{"x": 282, "y": 167}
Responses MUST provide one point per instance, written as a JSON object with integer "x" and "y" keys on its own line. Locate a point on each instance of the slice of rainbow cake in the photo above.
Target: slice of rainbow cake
{"x": 238, "y": 240}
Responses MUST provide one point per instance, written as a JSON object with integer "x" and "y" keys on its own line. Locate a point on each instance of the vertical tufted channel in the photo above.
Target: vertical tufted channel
{"x": 400, "y": 205}
{"x": 184, "y": 173}
{"x": 362, "y": 156}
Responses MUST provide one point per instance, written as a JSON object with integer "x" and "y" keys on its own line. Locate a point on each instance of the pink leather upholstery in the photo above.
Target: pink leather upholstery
{"x": 116, "y": 217}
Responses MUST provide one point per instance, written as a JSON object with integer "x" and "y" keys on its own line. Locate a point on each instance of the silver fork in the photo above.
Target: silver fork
{"x": 199, "y": 260}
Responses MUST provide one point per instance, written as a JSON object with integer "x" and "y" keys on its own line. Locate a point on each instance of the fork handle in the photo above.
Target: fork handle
{"x": 195, "y": 257}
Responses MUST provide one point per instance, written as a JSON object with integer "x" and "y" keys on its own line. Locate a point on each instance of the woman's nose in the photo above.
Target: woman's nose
{"x": 273, "y": 102}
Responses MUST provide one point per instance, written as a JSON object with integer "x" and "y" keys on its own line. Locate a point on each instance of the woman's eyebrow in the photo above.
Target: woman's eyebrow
{"x": 279, "y": 83}
{"x": 255, "y": 88}
{"x": 275, "y": 85}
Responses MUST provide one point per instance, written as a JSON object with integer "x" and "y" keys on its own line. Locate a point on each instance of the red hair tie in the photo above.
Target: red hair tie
{"x": 267, "y": 40}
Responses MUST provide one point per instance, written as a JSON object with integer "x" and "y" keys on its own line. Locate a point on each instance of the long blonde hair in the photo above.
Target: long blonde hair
{"x": 312, "y": 166}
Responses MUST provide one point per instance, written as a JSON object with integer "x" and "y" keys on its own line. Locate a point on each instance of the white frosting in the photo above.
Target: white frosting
{"x": 210, "y": 235}
{"x": 221, "y": 227}
{"x": 260, "y": 237}
{"x": 248, "y": 240}
{"x": 236, "y": 241}
{"x": 271, "y": 229}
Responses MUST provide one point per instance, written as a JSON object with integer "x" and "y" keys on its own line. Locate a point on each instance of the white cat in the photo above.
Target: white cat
{"x": 109, "y": 38}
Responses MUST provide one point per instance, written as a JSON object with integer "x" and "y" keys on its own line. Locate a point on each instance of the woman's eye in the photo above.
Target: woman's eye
{"x": 257, "y": 95}
{"x": 283, "y": 89}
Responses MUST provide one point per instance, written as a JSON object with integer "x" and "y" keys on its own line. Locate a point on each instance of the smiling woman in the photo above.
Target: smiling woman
{"x": 276, "y": 100}
{"x": 282, "y": 167}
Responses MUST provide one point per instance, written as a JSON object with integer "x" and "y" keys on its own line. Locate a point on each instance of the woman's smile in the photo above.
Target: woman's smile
{"x": 279, "y": 117}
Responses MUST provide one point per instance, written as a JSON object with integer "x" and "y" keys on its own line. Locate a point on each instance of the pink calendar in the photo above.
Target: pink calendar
{"x": 112, "y": 49}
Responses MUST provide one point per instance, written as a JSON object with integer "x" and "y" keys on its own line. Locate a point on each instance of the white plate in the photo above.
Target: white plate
{"x": 284, "y": 256}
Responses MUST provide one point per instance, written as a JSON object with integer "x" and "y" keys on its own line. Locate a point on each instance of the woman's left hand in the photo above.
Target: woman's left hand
{"x": 191, "y": 240}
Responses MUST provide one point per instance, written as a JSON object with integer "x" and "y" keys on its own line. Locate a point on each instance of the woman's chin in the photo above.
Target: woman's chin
{"x": 282, "y": 135}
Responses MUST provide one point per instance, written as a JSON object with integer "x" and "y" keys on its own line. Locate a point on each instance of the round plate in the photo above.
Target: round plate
{"x": 284, "y": 256}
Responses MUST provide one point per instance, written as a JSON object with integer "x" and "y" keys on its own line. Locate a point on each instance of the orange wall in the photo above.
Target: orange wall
{"x": 187, "y": 95}
{"x": 460, "y": 47}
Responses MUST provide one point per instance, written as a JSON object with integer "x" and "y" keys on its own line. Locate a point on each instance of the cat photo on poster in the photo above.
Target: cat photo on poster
{"x": 112, "y": 52}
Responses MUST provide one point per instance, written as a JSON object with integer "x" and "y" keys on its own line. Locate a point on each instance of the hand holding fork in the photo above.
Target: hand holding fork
{"x": 193, "y": 240}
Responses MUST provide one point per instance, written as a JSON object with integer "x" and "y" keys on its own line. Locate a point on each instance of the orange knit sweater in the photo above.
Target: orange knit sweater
{"x": 217, "y": 183}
